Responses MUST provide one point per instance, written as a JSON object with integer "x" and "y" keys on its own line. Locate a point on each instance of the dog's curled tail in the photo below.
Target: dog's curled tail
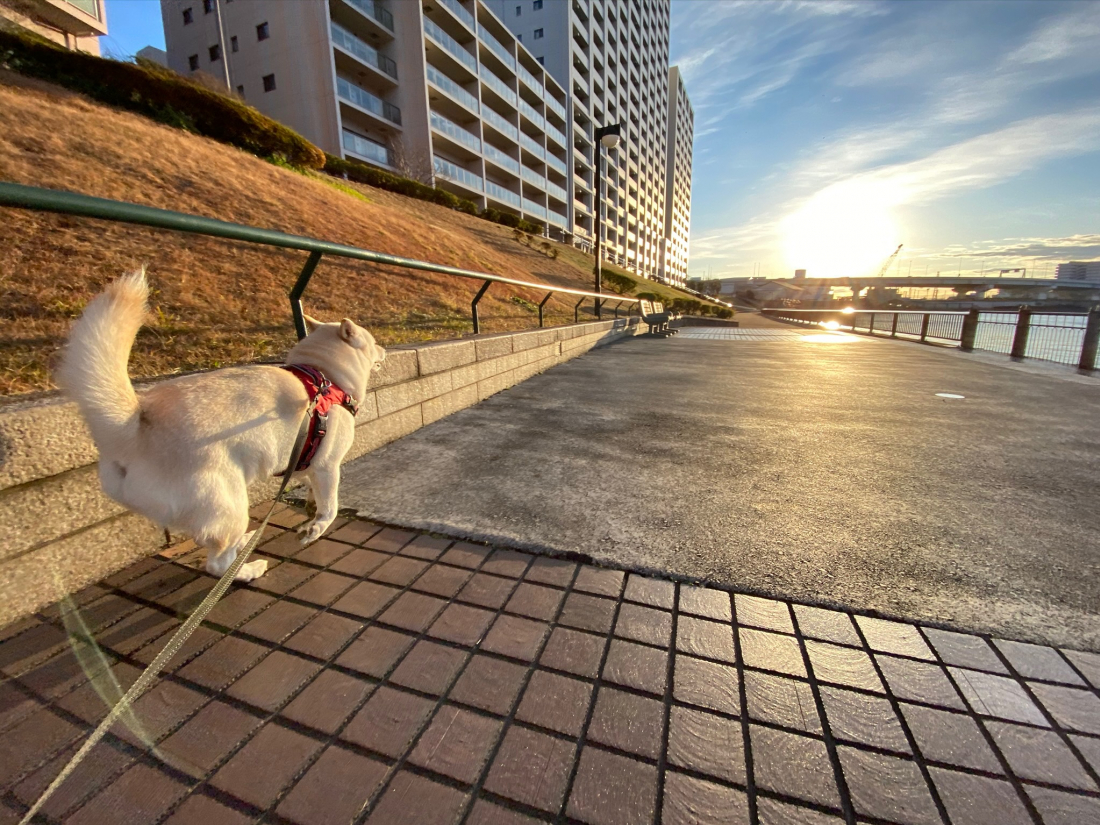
{"x": 93, "y": 370}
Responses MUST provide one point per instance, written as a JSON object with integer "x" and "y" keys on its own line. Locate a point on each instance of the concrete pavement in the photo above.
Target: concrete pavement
{"x": 830, "y": 473}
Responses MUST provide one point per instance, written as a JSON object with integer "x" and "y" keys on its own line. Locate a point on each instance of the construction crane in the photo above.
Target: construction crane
{"x": 889, "y": 261}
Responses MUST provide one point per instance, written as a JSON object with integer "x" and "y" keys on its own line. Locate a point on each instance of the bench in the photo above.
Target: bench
{"x": 654, "y": 315}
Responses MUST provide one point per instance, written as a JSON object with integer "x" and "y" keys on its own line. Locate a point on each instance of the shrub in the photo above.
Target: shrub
{"x": 618, "y": 283}
{"x": 724, "y": 313}
{"x": 648, "y": 296}
{"x": 157, "y": 93}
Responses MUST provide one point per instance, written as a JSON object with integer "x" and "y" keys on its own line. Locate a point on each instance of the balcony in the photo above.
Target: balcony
{"x": 529, "y": 112}
{"x": 556, "y": 219}
{"x": 581, "y": 206}
{"x": 556, "y": 135}
{"x": 455, "y": 132}
{"x": 450, "y": 45}
{"x": 456, "y": 174}
{"x": 531, "y": 146}
{"x": 555, "y": 163}
{"x": 458, "y": 11}
{"x": 503, "y": 195}
{"x": 534, "y": 208}
{"x": 498, "y": 86}
{"x": 365, "y": 53}
{"x": 445, "y": 84}
{"x": 498, "y": 157}
{"x": 530, "y": 80}
{"x": 532, "y": 177}
{"x": 555, "y": 191}
{"x": 374, "y": 11}
{"x": 499, "y": 123}
{"x": 497, "y": 48}
{"x": 349, "y": 92}
{"x": 554, "y": 106}
{"x": 365, "y": 148}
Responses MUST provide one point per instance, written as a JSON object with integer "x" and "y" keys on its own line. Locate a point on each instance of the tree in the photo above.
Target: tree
{"x": 415, "y": 164}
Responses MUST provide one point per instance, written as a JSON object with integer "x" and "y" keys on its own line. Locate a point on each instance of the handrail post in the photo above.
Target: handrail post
{"x": 924, "y": 327}
{"x": 969, "y": 330}
{"x": 871, "y": 325}
{"x": 894, "y": 326}
{"x": 296, "y": 293}
{"x": 1092, "y": 339}
{"x": 617, "y": 308}
{"x": 544, "y": 300}
{"x": 1023, "y": 328}
{"x": 473, "y": 305}
{"x": 577, "y": 311}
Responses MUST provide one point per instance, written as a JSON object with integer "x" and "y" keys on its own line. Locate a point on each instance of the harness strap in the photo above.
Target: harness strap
{"x": 176, "y": 642}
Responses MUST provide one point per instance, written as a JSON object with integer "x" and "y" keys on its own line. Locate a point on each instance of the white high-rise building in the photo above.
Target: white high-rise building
{"x": 681, "y": 130}
{"x": 612, "y": 57}
{"x": 438, "y": 90}
{"x": 1078, "y": 271}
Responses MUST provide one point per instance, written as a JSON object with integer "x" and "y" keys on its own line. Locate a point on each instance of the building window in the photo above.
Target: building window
{"x": 215, "y": 53}
{"x": 269, "y": 82}
{"x": 207, "y": 6}
{"x": 233, "y": 45}
{"x": 536, "y": 5}
{"x": 538, "y": 34}
{"x": 193, "y": 62}
{"x": 519, "y": 37}
{"x": 240, "y": 91}
{"x": 541, "y": 60}
{"x": 519, "y": 10}
{"x": 188, "y": 17}
{"x": 262, "y": 32}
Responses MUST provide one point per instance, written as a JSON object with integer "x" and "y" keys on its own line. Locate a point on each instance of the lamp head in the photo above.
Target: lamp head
{"x": 610, "y": 141}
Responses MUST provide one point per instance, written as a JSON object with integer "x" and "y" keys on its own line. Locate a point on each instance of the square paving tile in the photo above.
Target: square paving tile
{"x": 324, "y": 635}
{"x": 99, "y": 769}
{"x": 964, "y": 650}
{"x": 1087, "y": 663}
{"x": 328, "y": 701}
{"x": 771, "y": 651}
{"x": 706, "y": 743}
{"x": 978, "y": 800}
{"x": 355, "y": 532}
{"x": 888, "y": 787}
{"x": 766, "y": 613}
{"x": 273, "y": 680}
{"x": 334, "y": 790}
{"x": 557, "y": 572}
{"x": 585, "y": 612}
{"x": 532, "y": 768}
{"x": 462, "y": 624}
{"x": 413, "y": 800}
{"x": 706, "y": 639}
{"x": 429, "y": 667}
{"x": 486, "y": 813}
{"x": 238, "y": 606}
{"x": 1090, "y": 749}
{"x": 389, "y": 540}
{"x": 645, "y": 624}
{"x": 706, "y": 684}
{"x": 782, "y": 701}
{"x": 323, "y": 552}
{"x": 826, "y": 625}
{"x": 997, "y": 696}
{"x": 1040, "y": 755}
{"x": 597, "y": 580}
{"x": 535, "y": 601}
{"x": 864, "y": 719}
{"x": 919, "y": 682}
{"x": 464, "y": 554}
{"x": 136, "y": 630}
{"x": 774, "y": 812}
{"x": 558, "y": 703}
{"x": 441, "y": 580}
{"x": 506, "y": 563}
{"x": 515, "y": 637}
{"x": 793, "y": 765}
{"x": 637, "y": 666}
{"x": 1071, "y": 708}
{"x": 843, "y": 666}
{"x": 574, "y": 652}
{"x": 399, "y": 571}
{"x": 266, "y": 765}
{"x": 1061, "y": 808}
{"x": 359, "y": 562}
{"x": 279, "y": 621}
{"x": 627, "y": 722}
{"x": 705, "y": 602}
{"x": 142, "y": 794}
{"x": 1038, "y": 662}
{"x": 428, "y": 548}
{"x": 284, "y": 578}
{"x": 487, "y": 591}
{"x": 211, "y": 734}
{"x": 160, "y": 710}
{"x": 613, "y": 790}
{"x": 651, "y": 592}
{"x": 375, "y": 651}
{"x": 894, "y": 637}
{"x": 457, "y": 743}
{"x": 490, "y": 684}
{"x": 366, "y": 600}
{"x": 413, "y": 611}
{"x": 388, "y": 721}
{"x": 691, "y": 801}
{"x": 202, "y": 810}
{"x": 953, "y": 738}
{"x": 223, "y": 662}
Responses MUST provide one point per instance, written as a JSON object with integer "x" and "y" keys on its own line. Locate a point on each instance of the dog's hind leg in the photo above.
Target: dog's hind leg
{"x": 324, "y": 482}
{"x": 224, "y": 535}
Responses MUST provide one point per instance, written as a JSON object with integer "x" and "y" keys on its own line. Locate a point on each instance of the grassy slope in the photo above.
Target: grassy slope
{"x": 217, "y": 302}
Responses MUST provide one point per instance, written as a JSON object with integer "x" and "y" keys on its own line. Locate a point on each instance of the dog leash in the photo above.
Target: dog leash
{"x": 176, "y": 642}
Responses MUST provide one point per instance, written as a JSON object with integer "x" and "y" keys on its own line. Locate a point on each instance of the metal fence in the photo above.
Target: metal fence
{"x": 1063, "y": 338}
{"x": 71, "y": 203}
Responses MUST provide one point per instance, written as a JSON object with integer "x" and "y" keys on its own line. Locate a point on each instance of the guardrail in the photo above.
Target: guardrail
{"x": 1061, "y": 337}
{"x": 71, "y": 203}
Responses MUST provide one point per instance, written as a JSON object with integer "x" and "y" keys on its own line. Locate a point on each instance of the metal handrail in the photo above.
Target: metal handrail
{"x": 72, "y": 203}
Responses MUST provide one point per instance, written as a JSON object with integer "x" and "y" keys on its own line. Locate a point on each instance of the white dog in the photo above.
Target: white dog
{"x": 184, "y": 452}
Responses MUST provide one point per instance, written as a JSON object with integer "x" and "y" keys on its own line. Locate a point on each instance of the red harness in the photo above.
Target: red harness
{"x": 328, "y": 395}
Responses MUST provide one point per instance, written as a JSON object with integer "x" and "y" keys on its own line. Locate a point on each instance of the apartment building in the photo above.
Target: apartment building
{"x": 75, "y": 24}
{"x": 681, "y": 130}
{"x": 438, "y": 90}
{"x": 1078, "y": 271}
{"x": 612, "y": 56}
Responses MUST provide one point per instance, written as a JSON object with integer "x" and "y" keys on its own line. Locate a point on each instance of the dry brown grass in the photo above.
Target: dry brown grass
{"x": 216, "y": 302}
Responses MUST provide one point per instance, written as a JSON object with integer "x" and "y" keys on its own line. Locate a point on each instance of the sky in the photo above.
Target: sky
{"x": 827, "y": 132}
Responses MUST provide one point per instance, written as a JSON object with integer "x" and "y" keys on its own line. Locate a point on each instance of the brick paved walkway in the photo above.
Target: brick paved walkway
{"x": 385, "y": 676}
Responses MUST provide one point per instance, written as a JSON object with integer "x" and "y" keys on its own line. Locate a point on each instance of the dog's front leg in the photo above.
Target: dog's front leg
{"x": 324, "y": 481}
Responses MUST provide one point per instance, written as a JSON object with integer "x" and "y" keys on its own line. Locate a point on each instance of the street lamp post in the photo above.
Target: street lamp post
{"x": 605, "y": 136}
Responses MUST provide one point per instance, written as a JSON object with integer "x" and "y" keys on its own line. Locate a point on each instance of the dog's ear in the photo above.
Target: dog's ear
{"x": 349, "y": 333}
{"x": 311, "y": 323}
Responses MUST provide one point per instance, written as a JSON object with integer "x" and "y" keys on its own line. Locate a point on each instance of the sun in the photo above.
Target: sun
{"x": 845, "y": 230}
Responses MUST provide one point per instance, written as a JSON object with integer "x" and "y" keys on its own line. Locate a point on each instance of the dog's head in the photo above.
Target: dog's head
{"x": 340, "y": 346}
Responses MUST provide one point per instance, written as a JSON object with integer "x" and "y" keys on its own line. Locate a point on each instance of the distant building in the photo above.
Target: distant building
{"x": 75, "y": 24}
{"x": 681, "y": 129}
{"x": 800, "y": 274}
{"x": 1078, "y": 271}
{"x": 153, "y": 53}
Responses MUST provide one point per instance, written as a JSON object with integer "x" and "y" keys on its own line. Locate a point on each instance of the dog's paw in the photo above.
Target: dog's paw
{"x": 312, "y": 530}
{"x": 251, "y": 571}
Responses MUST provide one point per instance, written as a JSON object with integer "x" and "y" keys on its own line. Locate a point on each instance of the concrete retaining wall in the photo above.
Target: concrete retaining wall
{"x": 60, "y": 533}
